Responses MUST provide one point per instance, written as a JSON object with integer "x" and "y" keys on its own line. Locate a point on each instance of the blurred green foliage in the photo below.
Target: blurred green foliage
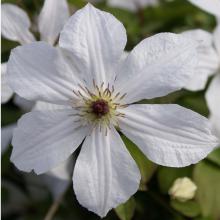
{"x": 152, "y": 201}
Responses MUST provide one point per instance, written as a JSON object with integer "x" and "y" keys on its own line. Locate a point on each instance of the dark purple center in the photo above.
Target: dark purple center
{"x": 100, "y": 108}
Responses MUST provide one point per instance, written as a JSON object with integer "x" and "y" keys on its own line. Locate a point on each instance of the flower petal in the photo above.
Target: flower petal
{"x": 215, "y": 122}
{"x": 64, "y": 170}
{"x": 16, "y": 24}
{"x": 169, "y": 135}
{"x": 157, "y": 66}
{"x": 208, "y": 59}
{"x": 105, "y": 174}
{"x": 213, "y": 94}
{"x": 42, "y": 140}
{"x": 212, "y": 7}
{"x": 132, "y": 5}
{"x": 52, "y": 18}
{"x": 97, "y": 39}
{"x": 6, "y": 91}
{"x": 45, "y": 106}
{"x": 39, "y": 72}
{"x": 212, "y": 99}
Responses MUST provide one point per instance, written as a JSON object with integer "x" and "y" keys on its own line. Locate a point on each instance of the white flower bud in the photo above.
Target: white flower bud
{"x": 183, "y": 189}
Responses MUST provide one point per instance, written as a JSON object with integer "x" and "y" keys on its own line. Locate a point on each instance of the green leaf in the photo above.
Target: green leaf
{"x": 7, "y": 45}
{"x": 207, "y": 179}
{"x": 167, "y": 175}
{"x": 10, "y": 114}
{"x": 189, "y": 208}
{"x": 77, "y": 3}
{"x": 146, "y": 167}
{"x": 195, "y": 102}
{"x": 203, "y": 218}
{"x": 215, "y": 156}
{"x": 126, "y": 211}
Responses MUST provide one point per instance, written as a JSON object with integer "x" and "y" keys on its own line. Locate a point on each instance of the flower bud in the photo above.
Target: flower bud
{"x": 183, "y": 189}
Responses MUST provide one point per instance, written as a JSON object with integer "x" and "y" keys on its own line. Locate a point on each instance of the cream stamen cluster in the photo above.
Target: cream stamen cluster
{"x": 98, "y": 106}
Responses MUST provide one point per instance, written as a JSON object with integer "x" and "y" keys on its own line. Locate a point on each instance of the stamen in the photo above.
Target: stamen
{"x": 117, "y": 95}
{"x": 93, "y": 81}
{"x": 105, "y": 91}
{"x": 84, "y": 98}
{"x": 123, "y": 96}
{"x": 75, "y": 93}
{"x": 82, "y": 87}
{"x": 102, "y": 85}
{"x": 124, "y": 106}
{"x": 113, "y": 89}
{"x": 90, "y": 93}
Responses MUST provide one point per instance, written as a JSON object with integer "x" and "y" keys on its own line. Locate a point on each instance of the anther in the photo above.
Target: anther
{"x": 113, "y": 89}
{"x": 117, "y": 95}
{"x": 124, "y": 106}
{"x": 123, "y": 96}
{"x": 82, "y": 87}
{"x": 93, "y": 81}
{"x": 75, "y": 93}
{"x": 90, "y": 93}
{"x": 102, "y": 85}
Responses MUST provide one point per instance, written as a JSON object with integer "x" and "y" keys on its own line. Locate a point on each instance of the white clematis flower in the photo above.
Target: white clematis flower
{"x": 213, "y": 92}
{"x": 16, "y": 27}
{"x": 208, "y": 60}
{"x": 95, "y": 88}
{"x": 132, "y": 5}
{"x": 212, "y": 99}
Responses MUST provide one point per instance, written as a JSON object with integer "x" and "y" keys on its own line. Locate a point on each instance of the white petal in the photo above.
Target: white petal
{"x": 16, "y": 24}
{"x": 97, "y": 40}
{"x": 105, "y": 174}
{"x": 212, "y": 6}
{"x": 215, "y": 122}
{"x": 52, "y": 19}
{"x": 169, "y": 135}
{"x": 157, "y": 66}
{"x": 43, "y": 140}
{"x": 217, "y": 40}
{"x": 63, "y": 170}
{"x": 6, "y": 91}
{"x": 208, "y": 59}
{"x": 6, "y": 136}
{"x": 45, "y": 106}
{"x": 40, "y": 72}
{"x": 213, "y": 96}
{"x": 132, "y": 5}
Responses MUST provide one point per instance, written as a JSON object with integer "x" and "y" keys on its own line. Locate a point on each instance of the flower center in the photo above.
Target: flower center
{"x": 100, "y": 108}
